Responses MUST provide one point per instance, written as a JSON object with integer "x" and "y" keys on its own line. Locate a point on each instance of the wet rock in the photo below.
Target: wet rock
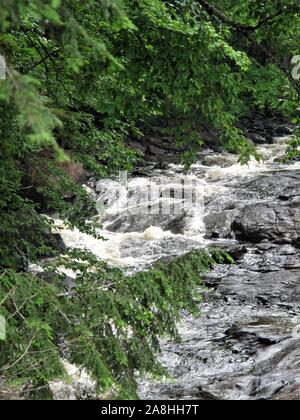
{"x": 274, "y": 222}
{"x": 92, "y": 183}
{"x": 232, "y": 352}
{"x": 57, "y": 242}
{"x": 168, "y": 247}
{"x": 255, "y": 333}
{"x": 63, "y": 281}
{"x": 269, "y": 210}
{"x": 139, "y": 221}
{"x": 54, "y": 241}
{"x": 289, "y": 393}
{"x": 219, "y": 224}
{"x": 275, "y": 185}
{"x": 253, "y": 387}
{"x": 265, "y": 276}
{"x": 258, "y": 138}
{"x": 235, "y": 251}
{"x": 274, "y": 287}
{"x": 262, "y": 129}
{"x": 245, "y": 346}
{"x": 140, "y": 146}
{"x": 222, "y": 160}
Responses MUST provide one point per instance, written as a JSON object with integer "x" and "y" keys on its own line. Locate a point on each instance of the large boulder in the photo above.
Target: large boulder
{"x": 268, "y": 274}
{"x": 280, "y": 185}
{"x": 264, "y": 208}
{"x": 139, "y": 221}
{"x": 268, "y": 221}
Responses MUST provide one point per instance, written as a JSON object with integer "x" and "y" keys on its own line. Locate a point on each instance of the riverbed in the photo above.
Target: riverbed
{"x": 245, "y": 345}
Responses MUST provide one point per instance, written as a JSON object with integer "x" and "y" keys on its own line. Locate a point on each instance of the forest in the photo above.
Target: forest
{"x": 84, "y": 85}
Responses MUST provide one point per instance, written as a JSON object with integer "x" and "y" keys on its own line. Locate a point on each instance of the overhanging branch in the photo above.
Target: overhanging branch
{"x": 248, "y": 30}
{"x": 214, "y": 12}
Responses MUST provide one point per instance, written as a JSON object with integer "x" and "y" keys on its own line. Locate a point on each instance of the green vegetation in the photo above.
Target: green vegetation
{"x": 83, "y": 77}
{"x": 109, "y": 323}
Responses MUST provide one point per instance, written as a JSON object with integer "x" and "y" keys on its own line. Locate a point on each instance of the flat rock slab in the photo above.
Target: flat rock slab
{"x": 232, "y": 351}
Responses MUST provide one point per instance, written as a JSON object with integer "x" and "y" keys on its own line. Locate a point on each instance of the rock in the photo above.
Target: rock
{"x": 161, "y": 164}
{"x": 262, "y": 129}
{"x": 269, "y": 277}
{"x": 284, "y": 130}
{"x": 57, "y": 242}
{"x": 219, "y": 224}
{"x": 245, "y": 346}
{"x": 264, "y": 208}
{"x": 169, "y": 246}
{"x": 275, "y": 185}
{"x": 232, "y": 352}
{"x": 156, "y": 146}
{"x": 255, "y": 334}
{"x": 251, "y": 387}
{"x": 251, "y": 286}
{"x": 64, "y": 281}
{"x": 139, "y": 221}
{"x": 295, "y": 202}
{"x": 258, "y": 139}
{"x": 222, "y": 160}
{"x": 289, "y": 393}
{"x": 155, "y": 151}
{"x": 274, "y": 222}
{"x": 137, "y": 145}
{"x": 236, "y": 251}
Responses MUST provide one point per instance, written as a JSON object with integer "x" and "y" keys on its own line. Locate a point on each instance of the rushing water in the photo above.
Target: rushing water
{"x": 142, "y": 239}
{"x": 246, "y": 344}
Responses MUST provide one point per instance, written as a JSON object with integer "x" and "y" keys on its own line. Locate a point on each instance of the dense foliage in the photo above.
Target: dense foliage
{"x": 109, "y": 323}
{"x": 83, "y": 77}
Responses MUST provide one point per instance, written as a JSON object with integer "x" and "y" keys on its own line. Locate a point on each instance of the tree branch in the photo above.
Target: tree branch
{"x": 213, "y": 11}
{"x": 248, "y": 31}
{"x": 7, "y": 367}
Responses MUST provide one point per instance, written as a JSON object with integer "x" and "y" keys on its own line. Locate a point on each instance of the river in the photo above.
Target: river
{"x": 246, "y": 344}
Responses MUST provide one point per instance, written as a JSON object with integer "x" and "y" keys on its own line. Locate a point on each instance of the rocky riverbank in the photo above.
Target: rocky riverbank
{"x": 258, "y": 128}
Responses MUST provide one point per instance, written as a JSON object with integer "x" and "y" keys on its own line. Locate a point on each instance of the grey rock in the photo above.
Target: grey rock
{"x": 274, "y": 222}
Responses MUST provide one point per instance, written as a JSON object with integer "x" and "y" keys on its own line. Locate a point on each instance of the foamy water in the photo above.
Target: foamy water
{"x": 150, "y": 241}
